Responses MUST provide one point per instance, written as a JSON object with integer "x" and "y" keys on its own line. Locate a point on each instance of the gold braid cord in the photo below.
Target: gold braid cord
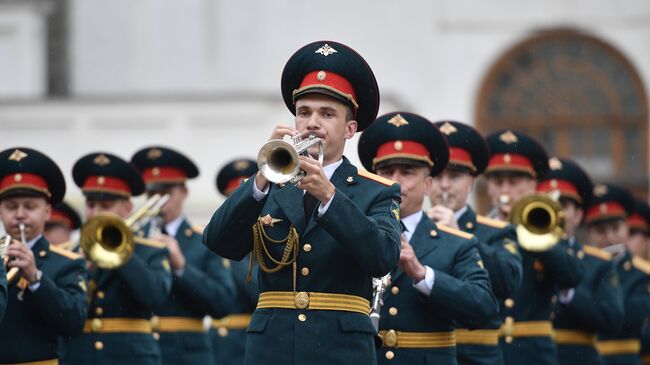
{"x": 260, "y": 251}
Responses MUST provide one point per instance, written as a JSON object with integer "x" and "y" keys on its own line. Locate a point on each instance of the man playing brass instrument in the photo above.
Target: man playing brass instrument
{"x": 46, "y": 300}
{"x": 318, "y": 244}
{"x": 121, "y": 300}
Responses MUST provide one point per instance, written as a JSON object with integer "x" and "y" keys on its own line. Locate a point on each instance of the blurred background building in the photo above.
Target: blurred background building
{"x": 203, "y": 76}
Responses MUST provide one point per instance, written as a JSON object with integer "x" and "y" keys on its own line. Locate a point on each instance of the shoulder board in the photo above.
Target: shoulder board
{"x": 198, "y": 229}
{"x": 148, "y": 242}
{"x": 455, "y": 232}
{"x": 490, "y": 222}
{"x": 641, "y": 264}
{"x": 597, "y": 252}
{"x": 376, "y": 178}
{"x": 63, "y": 252}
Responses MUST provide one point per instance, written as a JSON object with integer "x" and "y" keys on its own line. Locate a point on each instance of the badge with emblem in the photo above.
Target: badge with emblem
{"x": 394, "y": 209}
{"x": 268, "y": 221}
{"x": 554, "y": 163}
{"x": 17, "y": 155}
{"x": 326, "y": 50}
{"x": 101, "y": 160}
{"x": 397, "y": 121}
{"x": 154, "y": 153}
{"x": 508, "y": 137}
{"x": 448, "y": 128}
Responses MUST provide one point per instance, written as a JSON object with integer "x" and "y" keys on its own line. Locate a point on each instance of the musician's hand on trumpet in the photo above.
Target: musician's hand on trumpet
{"x": 176, "y": 257}
{"x": 22, "y": 258}
{"x": 441, "y": 213}
{"x": 409, "y": 263}
{"x": 315, "y": 180}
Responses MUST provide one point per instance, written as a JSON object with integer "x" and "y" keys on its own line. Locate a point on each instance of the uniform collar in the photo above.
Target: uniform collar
{"x": 411, "y": 223}
{"x": 173, "y": 226}
{"x": 33, "y": 241}
{"x": 460, "y": 213}
{"x": 329, "y": 169}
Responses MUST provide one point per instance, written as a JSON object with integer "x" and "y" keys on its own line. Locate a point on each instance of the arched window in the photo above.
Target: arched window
{"x": 577, "y": 95}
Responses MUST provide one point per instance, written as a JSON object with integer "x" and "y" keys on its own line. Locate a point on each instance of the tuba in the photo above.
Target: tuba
{"x": 539, "y": 222}
{"x": 278, "y": 159}
{"x": 107, "y": 239}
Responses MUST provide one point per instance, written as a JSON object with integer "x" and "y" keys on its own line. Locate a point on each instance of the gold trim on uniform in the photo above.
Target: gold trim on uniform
{"x": 477, "y": 337}
{"x": 116, "y": 325}
{"x": 232, "y": 322}
{"x": 311, "y": 300}
{"x": 619, "y": 347}
{"x": 398, "y": 339}
{"x": 526, "y": 329}
{"x": 572, "y": 337}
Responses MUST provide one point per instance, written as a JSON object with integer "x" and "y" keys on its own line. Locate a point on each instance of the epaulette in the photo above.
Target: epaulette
{"x": 641, "y": 264}
{"x": 597, "y": 252}
{"x": 198, "y": 229}
{"x": 67, "y": 245}
{"x": 490, "y": 222}
{"x": 148, "y": 242}
{"x": 376, "y": 178}
{"x": 63, "y": 252}
{"x": 455, "y": 232}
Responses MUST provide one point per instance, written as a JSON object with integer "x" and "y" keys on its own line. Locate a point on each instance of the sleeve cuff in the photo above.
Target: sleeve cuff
{"x": 566, "y": 296}
{"x": 257, "y": 193}
{"x": 425, "y": 285}
{"x": 323, "y": 208}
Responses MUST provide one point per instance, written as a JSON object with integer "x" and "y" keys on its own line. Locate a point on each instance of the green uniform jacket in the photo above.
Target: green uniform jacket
{"x": 204, "y": 288}
{"x": 497, "y": 244}
{"x": 596, "y": 306}
{"x": 461, "y": 292}
{"x": 3, "y": 290}
{"x": 133, "y": 290}
{"x": 634, "y": 279}
{"x": 357, "y": 238}
{"x": 32, "y": 328}
{"x": 544, "y": 273}
{"x": 228, "y": 345}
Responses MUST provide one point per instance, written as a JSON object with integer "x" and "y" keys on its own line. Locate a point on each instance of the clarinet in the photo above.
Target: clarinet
{"x": 379, "y": 286}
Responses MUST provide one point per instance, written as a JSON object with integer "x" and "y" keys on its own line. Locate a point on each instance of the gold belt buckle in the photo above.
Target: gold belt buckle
{"x": 390, "y": 338}
{"x": 96, "y": 325}
{"x": 155, "y": 323}
{"x": 301, "y": 300}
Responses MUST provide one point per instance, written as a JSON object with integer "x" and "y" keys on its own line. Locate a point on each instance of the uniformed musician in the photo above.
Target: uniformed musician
{"x": 121, "y": 301}
{"x": 47, "y": 298}
{"x": 228, "y": 334}
{"x": 607, "y": 228}
{"x": 318, "y": 244}
{"x": 441, "y": 276}
{"x": 515, "y": 165}
{"x": 595, "y": 304}
{"x": 63, "y": 221}
{"x": 201, "y": 285}
{"x": 639, "y": 244}
{"x": 468, "y": 158}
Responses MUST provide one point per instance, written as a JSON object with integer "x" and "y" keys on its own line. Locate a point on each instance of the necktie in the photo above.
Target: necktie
{"x": 309, "y": 202}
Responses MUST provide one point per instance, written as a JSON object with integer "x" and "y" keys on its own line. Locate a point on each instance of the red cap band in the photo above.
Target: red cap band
{"x": 233, "y": 184}
{"x": 460, "y": 156}
{"x": 163, "y": 174}
{"x": 106, "y": 184}
{"x": 402, "y": 149}
{"x": 605, "y": 210}
{"x": 24, "y": 181}
{"x": 638, "y": 222}
{"x": 329, "y": 81}
{"x": 566, "y": 188}
{"x": 510, "y": 162}
{"x": 59, "y": 217}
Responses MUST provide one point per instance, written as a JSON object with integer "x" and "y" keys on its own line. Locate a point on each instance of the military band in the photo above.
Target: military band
{"x": 313, "y": 260}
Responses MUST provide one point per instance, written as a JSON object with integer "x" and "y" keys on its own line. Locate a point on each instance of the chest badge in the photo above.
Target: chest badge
{"x": 269, "y": 221}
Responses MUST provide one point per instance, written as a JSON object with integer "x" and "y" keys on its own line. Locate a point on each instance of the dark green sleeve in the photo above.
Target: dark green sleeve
{"x": 599, "y": 308}
{"x": 503, "y": 262}
{"x": 3, "y": 290}
{"x": 374, "y": 238}
{"x": 209, "y": 286}
{"x": 561, "y": 265}
{"x": 61, "y": 300}
{"x": 229, "y": 232}
{"x": 147, "y": 277}
{"x": 465, "y": 293}
{"x": 637, "y": 306}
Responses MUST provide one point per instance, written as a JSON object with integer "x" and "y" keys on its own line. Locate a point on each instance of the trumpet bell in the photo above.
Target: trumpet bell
{"x": 278, "y": 161}
{"x": 107, "y": 241}
{"x": 539, "y": 222}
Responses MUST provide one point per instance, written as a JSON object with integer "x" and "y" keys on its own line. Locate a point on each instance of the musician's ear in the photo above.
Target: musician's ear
{"x": 351, "y": 127}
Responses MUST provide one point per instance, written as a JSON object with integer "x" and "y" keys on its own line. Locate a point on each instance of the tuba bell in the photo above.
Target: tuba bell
{"x": 539, "y": 222}
{"x": 107, "y": 239}
{"x": 278, "y": 159}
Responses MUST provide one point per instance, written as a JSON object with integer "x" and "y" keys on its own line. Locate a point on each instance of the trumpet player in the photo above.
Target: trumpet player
{"x": 497, "y": 241}
{"x": 229, "y": 333}
{"x": 121, "y": 301}
{"x": 608, "y": 229}
{"x": 318, "y": 243}
{"x": 516, "y": 163}
{"x": 201, "y": 283}
{"x": 441, "y": 277}
{"x": 46, "y": 300}
{"x": 595, "y": 304}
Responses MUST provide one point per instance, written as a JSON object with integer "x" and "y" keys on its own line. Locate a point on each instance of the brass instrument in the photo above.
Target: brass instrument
{"x": 278, "y": 159}
{"x": 107, "y": 239}
{"x": 379, "y": 286}
{"x": 539, "y": 222}
{"x": 4, "y": 245}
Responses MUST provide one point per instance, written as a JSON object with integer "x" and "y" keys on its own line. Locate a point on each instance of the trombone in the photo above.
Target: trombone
{"x": 107, "y": 239}
{"x": 278, "y": 159}
{"x": 4, "y": 245}
{"x": 539, "y": 222}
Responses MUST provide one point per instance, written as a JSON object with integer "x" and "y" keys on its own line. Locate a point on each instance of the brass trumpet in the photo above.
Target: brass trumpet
{"x": 107, "y": 239}
{"x": 278, "y": 159}
{"x": 539, "y": 222}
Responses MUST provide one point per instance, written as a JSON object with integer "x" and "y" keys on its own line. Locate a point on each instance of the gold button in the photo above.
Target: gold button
{"x": 509, "y": 303}
{"x": 96, "y": 325}
{"x": 100, "y": 294}
{"x": 301, "y": 300}
{"x": 469, "y": 225}
{"x": 306, "y": 247}
{"x": 99, "y": 345}
{"x": 304, "y": 271}
{"x": 99, "y": 311}
{"x": 390, "y": 338}
{"x": 508, "y": 339}
{"x": 156, "y": 336}
{"x": 42, "y": 253}
{"x": 222, "y": 331}
{"x": 390, "y": 355}
{"x": 188, "y": 232}
{"x": 433, "y": 233}
{"x": 154, "y": 322}
{"x": 302, "y": 317}
{"x": 392, "y": 311}
{"x": 581, "y": 254}
{"x": 394, "y": 290}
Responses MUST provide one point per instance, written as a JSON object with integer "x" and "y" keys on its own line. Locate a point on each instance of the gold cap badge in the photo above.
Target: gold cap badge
{"x": 508, "y": 137}
{"x": 154, "y": 153}
{"x": 554, "y": 163}
{"x": 17, "y": 155}
{"x": 326, "y": 50}
{"x": 398, "y": 121}
{"x": 448, "y": 128}
{"x": 241, "y": 165}
{"x": 101, "y": 160}
{"x": 600, "y": 190}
